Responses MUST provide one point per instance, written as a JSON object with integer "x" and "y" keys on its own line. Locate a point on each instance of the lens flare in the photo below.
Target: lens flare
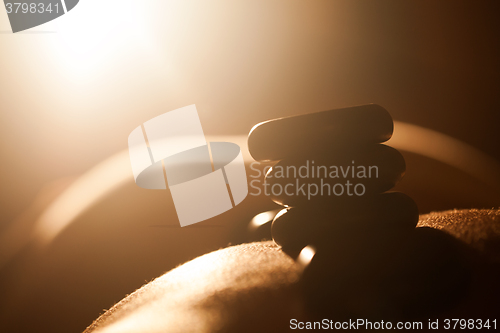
{"x": 306, "y": 255}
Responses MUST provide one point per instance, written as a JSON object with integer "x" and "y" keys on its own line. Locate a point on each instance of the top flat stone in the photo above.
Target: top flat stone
{"x": 283, "y": 137}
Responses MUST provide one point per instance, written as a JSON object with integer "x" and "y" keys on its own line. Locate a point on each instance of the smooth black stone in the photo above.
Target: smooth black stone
{"x": 284, "y": 137}
{"x": 385, "y": 215}
{"x": 319, "y": 174}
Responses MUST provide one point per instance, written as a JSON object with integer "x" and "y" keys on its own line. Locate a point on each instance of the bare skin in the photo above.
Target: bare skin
{"x": 254, "y": 287}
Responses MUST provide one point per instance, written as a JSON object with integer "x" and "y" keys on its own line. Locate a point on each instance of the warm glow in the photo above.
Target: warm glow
{"x": 262, "y": 218}
{"x": 269, "y": 171}
{"x": 446, "y": 149}
{"x": 92, "y": 24}
{"x": 94, "y": 185}
{"x": 87, "y": 190}
{"x": 306, "y": 255}
{"x": 281, "y": 213}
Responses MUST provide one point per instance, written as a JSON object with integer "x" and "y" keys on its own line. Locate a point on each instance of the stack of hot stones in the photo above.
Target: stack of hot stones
{"x": 331, "y": 177}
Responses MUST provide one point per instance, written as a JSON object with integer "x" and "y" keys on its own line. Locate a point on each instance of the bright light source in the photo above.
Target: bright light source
{"x": 93, "y": 30}
{"x": 93, "y": 23}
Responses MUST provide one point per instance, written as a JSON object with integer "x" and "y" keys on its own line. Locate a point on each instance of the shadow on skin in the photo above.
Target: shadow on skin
{"x": 254, "y": 287}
